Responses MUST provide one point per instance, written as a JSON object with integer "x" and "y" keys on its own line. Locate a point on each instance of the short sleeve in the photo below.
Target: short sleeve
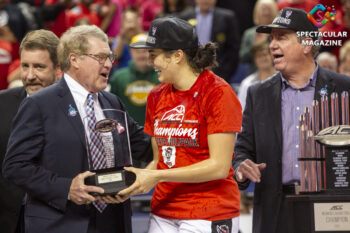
{"x": 223, "y": 110}
{"x": 149, "y": 122}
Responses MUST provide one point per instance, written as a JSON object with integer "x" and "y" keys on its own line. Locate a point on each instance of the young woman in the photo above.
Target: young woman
{"x": 193, "y": 117}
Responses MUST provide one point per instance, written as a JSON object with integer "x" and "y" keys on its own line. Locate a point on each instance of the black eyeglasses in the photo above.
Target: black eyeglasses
{"x": 101, "y": 58}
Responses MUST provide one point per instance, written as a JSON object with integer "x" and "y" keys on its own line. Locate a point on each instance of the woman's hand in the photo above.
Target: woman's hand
{"x": 146, "y": 179}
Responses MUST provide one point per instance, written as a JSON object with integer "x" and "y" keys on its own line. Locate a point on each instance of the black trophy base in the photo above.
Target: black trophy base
{"x": 336, "y": 191}
{"x": 305, "y": 215}
{"x": 112, "y": 180}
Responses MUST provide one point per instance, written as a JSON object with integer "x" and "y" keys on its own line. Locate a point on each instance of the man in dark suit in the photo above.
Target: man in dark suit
{"x": 245, "y": 17}
{"x": 266, "y": 151}
{"x": 39, "y": 68}
{"x": 47, "y": 151}
{"x": 217, "y": 25}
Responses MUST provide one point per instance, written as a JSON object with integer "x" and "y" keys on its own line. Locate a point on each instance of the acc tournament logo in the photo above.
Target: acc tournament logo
{"x": 320, "y": 15}
{"x": 175, "y": 114}
{"x": 171, "y": 130}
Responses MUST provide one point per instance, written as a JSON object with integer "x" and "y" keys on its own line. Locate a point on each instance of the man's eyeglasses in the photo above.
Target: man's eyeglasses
{"x": 101, "y": 58}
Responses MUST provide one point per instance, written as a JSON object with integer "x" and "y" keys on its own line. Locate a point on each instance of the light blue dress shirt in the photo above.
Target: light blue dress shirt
{"x": 204, "y": 25}
{"x": 294, "y": 101}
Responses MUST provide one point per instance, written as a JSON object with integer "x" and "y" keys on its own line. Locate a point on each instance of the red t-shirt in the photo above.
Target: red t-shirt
{"x": 180, "y": 122}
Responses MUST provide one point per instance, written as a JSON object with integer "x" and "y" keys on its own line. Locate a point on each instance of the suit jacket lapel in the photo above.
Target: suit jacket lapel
{"x": 22, "y": 94}
{"x": 275, "y": 107}
{"x": 323, "y": 81}
{"x": 67, "y": 102}
{"x": 105, "y": 104}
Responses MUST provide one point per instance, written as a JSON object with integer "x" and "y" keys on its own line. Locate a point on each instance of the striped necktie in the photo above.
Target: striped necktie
{"x": 97, "y": 152}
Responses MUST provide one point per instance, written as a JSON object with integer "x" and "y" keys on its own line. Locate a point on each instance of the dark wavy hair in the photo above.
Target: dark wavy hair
{"x": 200, "y": 58}
{"x": 203, "y": 57}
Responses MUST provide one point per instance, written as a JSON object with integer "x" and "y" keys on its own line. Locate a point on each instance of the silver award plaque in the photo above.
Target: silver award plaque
{"x": 112, "y": 133}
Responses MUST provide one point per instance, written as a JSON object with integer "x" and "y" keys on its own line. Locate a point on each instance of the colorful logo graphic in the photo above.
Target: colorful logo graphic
{"x": 320, "y": 15}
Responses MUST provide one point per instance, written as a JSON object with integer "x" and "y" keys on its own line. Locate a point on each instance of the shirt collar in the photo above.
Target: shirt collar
{"x": 311, "y": 82}
{"x": 77, "y": 88}
{"x": 197, "y": 10}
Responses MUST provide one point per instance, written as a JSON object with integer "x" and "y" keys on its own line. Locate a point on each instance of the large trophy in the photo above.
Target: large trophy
{"x": 325, "y": 146}
{"x": 108, "y": 148}
{"x": 323, "y": 204}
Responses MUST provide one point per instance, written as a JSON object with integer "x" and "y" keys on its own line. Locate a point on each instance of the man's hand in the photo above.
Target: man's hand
{"x": 79, "y": 192}
{"x": 249, "y": 170}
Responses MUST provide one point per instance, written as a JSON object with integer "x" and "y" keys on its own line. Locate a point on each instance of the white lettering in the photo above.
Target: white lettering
{"x": 151, "y": 39}
{"x": 170, "y": 132}
{"x": 322, "y": 34}
{"x": 281, "y": 20}
{"x": 321, "y": 43}
{"x": 173, "y": 117}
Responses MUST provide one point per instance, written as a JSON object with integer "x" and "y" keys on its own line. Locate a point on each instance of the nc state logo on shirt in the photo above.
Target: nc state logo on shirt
{"x": 168, "y": 153}
{"x": 175, "y": 114}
